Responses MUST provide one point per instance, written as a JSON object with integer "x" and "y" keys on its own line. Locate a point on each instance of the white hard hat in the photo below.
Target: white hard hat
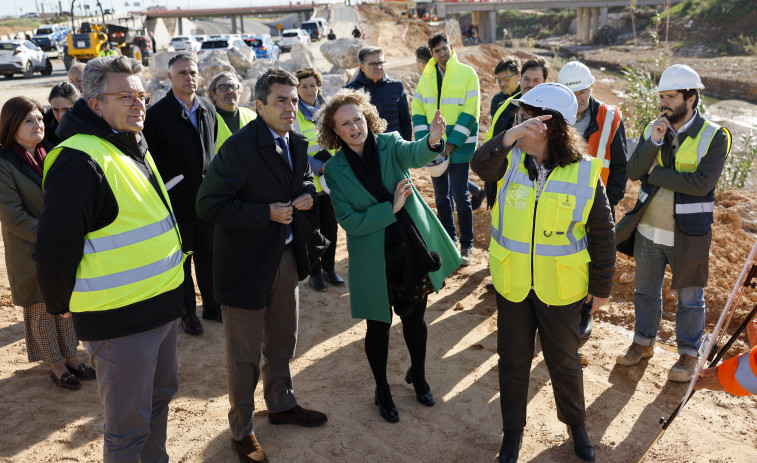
{"x": 438, "y": 166}
{"x": 679, "y": 77}
{"x": 576, "y": 76}
{"x": 552, "y": 96}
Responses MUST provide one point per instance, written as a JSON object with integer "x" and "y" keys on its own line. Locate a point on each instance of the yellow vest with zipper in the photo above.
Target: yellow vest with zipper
{"x": 490, "y": 133}
{"x": 246, "y": 115}
{"x": 136, "y": 257}
{"x": 309, "y": 130}
{"x": 547, "y": 240}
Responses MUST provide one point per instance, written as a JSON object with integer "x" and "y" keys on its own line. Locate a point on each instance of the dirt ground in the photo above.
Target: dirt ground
{"x": 43, "y": 423}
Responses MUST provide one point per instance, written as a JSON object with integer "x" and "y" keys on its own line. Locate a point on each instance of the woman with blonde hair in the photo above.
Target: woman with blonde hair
{"x": 398, "y": 250}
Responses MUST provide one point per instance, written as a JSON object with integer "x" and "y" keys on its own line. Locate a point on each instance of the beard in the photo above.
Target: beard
{"x": 676, "y": 113}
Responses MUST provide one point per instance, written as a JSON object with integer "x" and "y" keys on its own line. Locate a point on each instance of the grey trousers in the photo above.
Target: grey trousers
{"x": 137, "y": 375}
{"x": 272, "y": 331}
{"x": 517, "y": 323}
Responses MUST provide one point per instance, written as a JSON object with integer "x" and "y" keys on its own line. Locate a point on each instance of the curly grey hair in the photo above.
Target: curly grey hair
{"x": 93, "y": 80}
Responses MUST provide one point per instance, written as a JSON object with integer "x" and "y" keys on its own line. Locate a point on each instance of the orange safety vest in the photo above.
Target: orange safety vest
{"x": 608, "y": 119}
{"x": 738, "y": 375}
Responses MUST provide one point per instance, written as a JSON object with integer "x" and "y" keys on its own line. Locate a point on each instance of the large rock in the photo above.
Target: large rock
{"x": 159, "y": 64}
{"x": 214, "y": 62}
{"x": 343, "y": 52}
{"x": 247, "y": 93}
{"x": 301, "y": 57}
{"x": 332, "y": 83}
{"x": 240, "y": 58}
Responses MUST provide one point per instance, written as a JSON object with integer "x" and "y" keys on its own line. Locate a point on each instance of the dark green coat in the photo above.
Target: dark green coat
{"x": 364, "y": 219}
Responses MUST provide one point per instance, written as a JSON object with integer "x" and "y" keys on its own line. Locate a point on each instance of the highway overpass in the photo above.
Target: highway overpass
{"x": 305, "y": 10}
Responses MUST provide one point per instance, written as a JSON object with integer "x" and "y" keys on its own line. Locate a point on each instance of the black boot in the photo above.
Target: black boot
{"x": 586, "y": 325}
{"x": 511, "y": 442}
{"x": 387, "y": 409}
{"x": 426, "y": 398}
{"x": 582, "y": 448}
{"x": 316, "y": 282}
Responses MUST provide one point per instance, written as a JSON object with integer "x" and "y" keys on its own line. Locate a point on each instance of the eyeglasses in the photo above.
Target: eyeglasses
{"x": 130, "y": 98}
{"x": 504, "y": 79}
{"x": 226, "y": 87}
{"x": 377, "y": 64}
{"x": 522, "y": 117}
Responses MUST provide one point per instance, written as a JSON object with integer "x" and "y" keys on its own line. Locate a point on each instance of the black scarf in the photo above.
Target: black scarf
{"x": 408, "y": 259}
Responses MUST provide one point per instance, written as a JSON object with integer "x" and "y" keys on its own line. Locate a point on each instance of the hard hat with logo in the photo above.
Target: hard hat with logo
{"x": 438, "y": 166}
{"x": 576, "y": 76}
{"x": 552, "y": 96}
{"x": 679, "y": 77}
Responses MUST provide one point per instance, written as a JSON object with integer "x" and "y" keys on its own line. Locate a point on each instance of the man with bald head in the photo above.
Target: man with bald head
{"x": 75, "y": 75}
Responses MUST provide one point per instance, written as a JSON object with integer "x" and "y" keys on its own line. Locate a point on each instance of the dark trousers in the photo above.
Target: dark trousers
{"x": 415, "y": 332}
{"x": 198, "y": 238}
{"x": 517, "y": 323}
{"x": 328, "y": 226}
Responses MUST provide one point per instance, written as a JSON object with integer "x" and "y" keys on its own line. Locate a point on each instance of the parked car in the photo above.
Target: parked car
{"x": 314, "y": 28}
{"x": 289, "y": 37}
{"x": 200, "y": 38}
{"x": 23, "y": 57}
{"x": 184, "y": 43}
{"x": 263, "y": 46}
{"x": 222, "y": 44}
{"x": 50, "y": 37}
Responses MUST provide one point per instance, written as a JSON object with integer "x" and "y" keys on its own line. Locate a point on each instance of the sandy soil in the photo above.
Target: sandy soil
{"x": 43, "y": 423}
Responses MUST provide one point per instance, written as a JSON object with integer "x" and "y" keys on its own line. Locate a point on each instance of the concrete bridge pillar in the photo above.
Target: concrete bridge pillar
{"x": 587, "y": 25}
{"x": 603, "y": 16}
{"x": 181, "y": 29}
{"x": 491, "y": 26}
{"x": 233, "y": 24}
{"x": 594, "y": 22}
{"x": 579, "y": 25}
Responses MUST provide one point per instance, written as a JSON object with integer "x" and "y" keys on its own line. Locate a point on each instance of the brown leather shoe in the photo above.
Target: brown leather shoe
{"x": 635, "y": 354}
{"x": 249, "y": 450}
{"x": 298, "y": 416}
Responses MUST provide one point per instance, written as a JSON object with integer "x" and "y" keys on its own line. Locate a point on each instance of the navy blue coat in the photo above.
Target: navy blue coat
{"x": 388, "y": 96}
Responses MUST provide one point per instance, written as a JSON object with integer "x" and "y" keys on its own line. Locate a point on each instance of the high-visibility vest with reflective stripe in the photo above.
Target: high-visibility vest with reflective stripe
{"x": 608, "y": 119}
{"x": 459, "y": 103}
{"x": 309, "y": 130}
{"x": 693, "y": 214}
{"x": 554, "y": 239}
{"x": 490, "y": 133}
{"x": 246, "y": 115}
{"x": 738, "y": 375}
{"x": 136, "y": 257}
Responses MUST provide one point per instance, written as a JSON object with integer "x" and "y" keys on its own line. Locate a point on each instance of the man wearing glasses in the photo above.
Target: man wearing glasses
{"x": 387, "y": 95}
{"x": 108, "y": 251}
{"x": 223, "y": 89}
{"x": 507, "y": 76}
{"x": 181, "y": 132}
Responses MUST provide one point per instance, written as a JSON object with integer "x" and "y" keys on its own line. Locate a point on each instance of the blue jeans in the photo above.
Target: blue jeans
{"x": 453, "y": 184}
{"x": 650, "y": 271}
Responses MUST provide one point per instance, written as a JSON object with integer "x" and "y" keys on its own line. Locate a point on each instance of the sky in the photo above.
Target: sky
{"x": 18, "y": 7}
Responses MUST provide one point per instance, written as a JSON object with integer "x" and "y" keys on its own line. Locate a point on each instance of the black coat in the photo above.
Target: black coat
{"x": 249, "y": 173}
{"x": 388, "y": 96}
{"x": 180, "y": 149}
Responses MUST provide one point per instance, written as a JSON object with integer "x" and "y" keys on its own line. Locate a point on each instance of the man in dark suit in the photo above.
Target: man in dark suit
{"x": 259, "y": 192}
{"x": 181, "y": 131}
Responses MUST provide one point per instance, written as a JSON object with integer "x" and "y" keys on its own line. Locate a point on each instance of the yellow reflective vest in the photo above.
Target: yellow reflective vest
{"x": 490, "y": 133}
{"x": 246, "y": 115}
{"x": 545, "y": 242}
{"x": 136, "y": 257}
{"x": 309, "y": 130}
{"x": 459, "y": 103}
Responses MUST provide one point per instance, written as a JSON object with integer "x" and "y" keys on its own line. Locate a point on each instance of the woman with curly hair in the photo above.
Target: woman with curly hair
{"x": 398, "y": 250}
{"x": 551, "y": 230}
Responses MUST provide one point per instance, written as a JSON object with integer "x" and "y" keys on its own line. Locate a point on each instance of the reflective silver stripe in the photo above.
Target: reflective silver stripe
{"x": 420, "y": 127}
{"x": 126, "y": 277}
{"x": 119, "y": 240}
{"x": 605, "y": 137}
{"x": 580, "y": 190}
{"x": 457, "y": 101}
{"x": 473, "y": 139}
{"x": 314, "y": 148}
{"x": 560, "y": 250}
{"x": 704, "y": 143}
{"x": 605, "y": 163}
{"x": 648, "y": 131}
{"x": 427, "y": 100}
{"x": 511, "y": 245}
{"x": 471, "y": 93}
{"x": 462, "y": 129}
{"x": 694, "y": 208}
{"x": 522, "y": 179}
{"x": 744, "y": 374}
{"x": 643, "y": 195}
{"x": 512, "y": 169}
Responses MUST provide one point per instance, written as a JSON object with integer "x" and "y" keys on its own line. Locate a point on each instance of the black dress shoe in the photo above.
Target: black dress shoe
{"x": 67, "y": 381}
{"x": 316, "y": 282}
{"x": 511, "y": 443}
{"x": 388, "y": 411}
{"x": 83, "y": 371}
{"x": 212, "y": 315}
{"x": 582, "y": 448}
{"x": 427, "y": 398}
{"x": 333, "y": 278}
{"x": 192, "y": 325}
{"x": 299, "y": 416}
{"x": 586, "y": 325}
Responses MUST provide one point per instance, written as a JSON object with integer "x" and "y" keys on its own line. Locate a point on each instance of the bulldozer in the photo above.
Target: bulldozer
{"x": 85, "y": 43}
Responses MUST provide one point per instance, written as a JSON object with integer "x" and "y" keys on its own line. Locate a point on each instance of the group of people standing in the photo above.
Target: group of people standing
{"x": 133, "y": 195}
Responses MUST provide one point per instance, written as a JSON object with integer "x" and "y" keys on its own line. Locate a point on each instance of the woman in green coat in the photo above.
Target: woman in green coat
{"x": 398, "y": 250}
